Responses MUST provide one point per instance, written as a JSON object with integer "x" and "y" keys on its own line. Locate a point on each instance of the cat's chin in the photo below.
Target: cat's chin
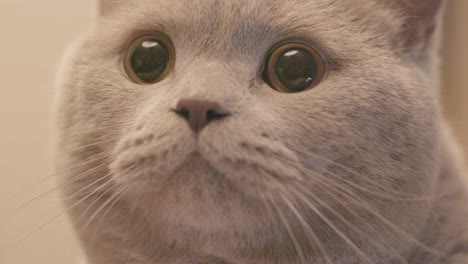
{"x": 198, "y": 197}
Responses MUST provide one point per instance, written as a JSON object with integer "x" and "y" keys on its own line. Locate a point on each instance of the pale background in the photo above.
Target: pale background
{"x": 34, "y": 34}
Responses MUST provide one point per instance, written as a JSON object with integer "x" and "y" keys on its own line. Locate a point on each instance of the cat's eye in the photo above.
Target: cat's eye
{"x": 149, "y": 58}
{"x": 294, "y": 67}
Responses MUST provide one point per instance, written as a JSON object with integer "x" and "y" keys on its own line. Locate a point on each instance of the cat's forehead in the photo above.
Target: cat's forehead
{"x": 213, "y": 14}
{"x": 249, "y": 24}
{"x": 218, "y": 13}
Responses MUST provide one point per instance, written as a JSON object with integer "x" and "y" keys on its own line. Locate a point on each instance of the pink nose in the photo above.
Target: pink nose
{"x": 199, "y": 113}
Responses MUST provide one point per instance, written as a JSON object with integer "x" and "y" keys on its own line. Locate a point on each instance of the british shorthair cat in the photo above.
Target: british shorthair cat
{"x": 261, "y": 132}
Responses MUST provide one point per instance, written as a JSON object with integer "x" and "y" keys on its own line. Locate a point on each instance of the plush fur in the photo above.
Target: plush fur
{"x": 360, "y": 169}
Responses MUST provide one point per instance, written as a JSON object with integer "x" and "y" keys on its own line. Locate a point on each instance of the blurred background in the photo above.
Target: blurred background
{"x": 34, "y": 35}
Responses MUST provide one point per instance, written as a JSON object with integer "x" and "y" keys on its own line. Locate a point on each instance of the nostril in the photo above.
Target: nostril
{"x": 215, "y": 115}
{"x": 183, "y": 112}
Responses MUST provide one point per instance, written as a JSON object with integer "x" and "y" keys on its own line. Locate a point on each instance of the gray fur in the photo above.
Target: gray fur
{"x": 360, "y": 169}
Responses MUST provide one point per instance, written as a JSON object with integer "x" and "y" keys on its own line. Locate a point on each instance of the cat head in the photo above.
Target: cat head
{"x": 257, "y": 103}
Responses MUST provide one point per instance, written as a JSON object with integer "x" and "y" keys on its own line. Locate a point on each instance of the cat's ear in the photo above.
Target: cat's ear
{"x": 420, "y": 23}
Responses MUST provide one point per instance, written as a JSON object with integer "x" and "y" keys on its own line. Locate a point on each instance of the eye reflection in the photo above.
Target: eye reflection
{"x": 291, "y": 53}
{"x": 149, "y": 44}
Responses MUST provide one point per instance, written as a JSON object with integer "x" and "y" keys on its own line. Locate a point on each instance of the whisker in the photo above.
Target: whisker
{"x": 90, "y": 185}
{"x": 291, "y": 234}
{"x": 325, "y": 219}
{"x": 319, "y": 250}
{"x": 124, "y": 189}
{"x": 60, "y": 186}
{"x": 116, "y": 194}
{"x": 131, "y": 218}
{"x": 347, "y": 222}
{"x": 334, "y": 227}
{"x": 90, "y": 145}
{"x": 363, "y": 204}
{"x": 29, "y": 234}
{"x": 317, "y": 246}
{"x": 85, "y": 162}
{"x": 106, "y": 184}
{"x": 106, "y": 128}
{"x": 397, "y": 195}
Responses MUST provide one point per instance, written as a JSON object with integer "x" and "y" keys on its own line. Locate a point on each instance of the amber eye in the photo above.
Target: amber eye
{"x": 294, "y": 67}
{"x": 149, "y": 58}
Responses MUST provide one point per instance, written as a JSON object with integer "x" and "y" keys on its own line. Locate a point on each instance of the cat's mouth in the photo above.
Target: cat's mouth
{"x": 198, "y": 158}
{"x": 246, "y": 160}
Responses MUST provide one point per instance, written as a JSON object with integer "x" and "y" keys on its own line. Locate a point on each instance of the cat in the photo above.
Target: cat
{"x": 261, "y": 132}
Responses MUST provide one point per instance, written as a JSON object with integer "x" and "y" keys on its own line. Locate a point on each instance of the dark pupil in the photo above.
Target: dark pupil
{"x": 149, "y": 60}
{"x": 296, "y": 69}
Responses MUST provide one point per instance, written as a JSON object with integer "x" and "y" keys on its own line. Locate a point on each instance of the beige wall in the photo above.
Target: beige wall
{"x": 455, "y": 89}
{"x": 33, "y": 36}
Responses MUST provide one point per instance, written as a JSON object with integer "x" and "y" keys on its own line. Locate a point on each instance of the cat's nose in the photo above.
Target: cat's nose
{"x": 199, "y": 113}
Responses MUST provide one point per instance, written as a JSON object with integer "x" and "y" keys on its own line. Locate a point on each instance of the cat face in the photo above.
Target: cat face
{"x": 360, "y": 142}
